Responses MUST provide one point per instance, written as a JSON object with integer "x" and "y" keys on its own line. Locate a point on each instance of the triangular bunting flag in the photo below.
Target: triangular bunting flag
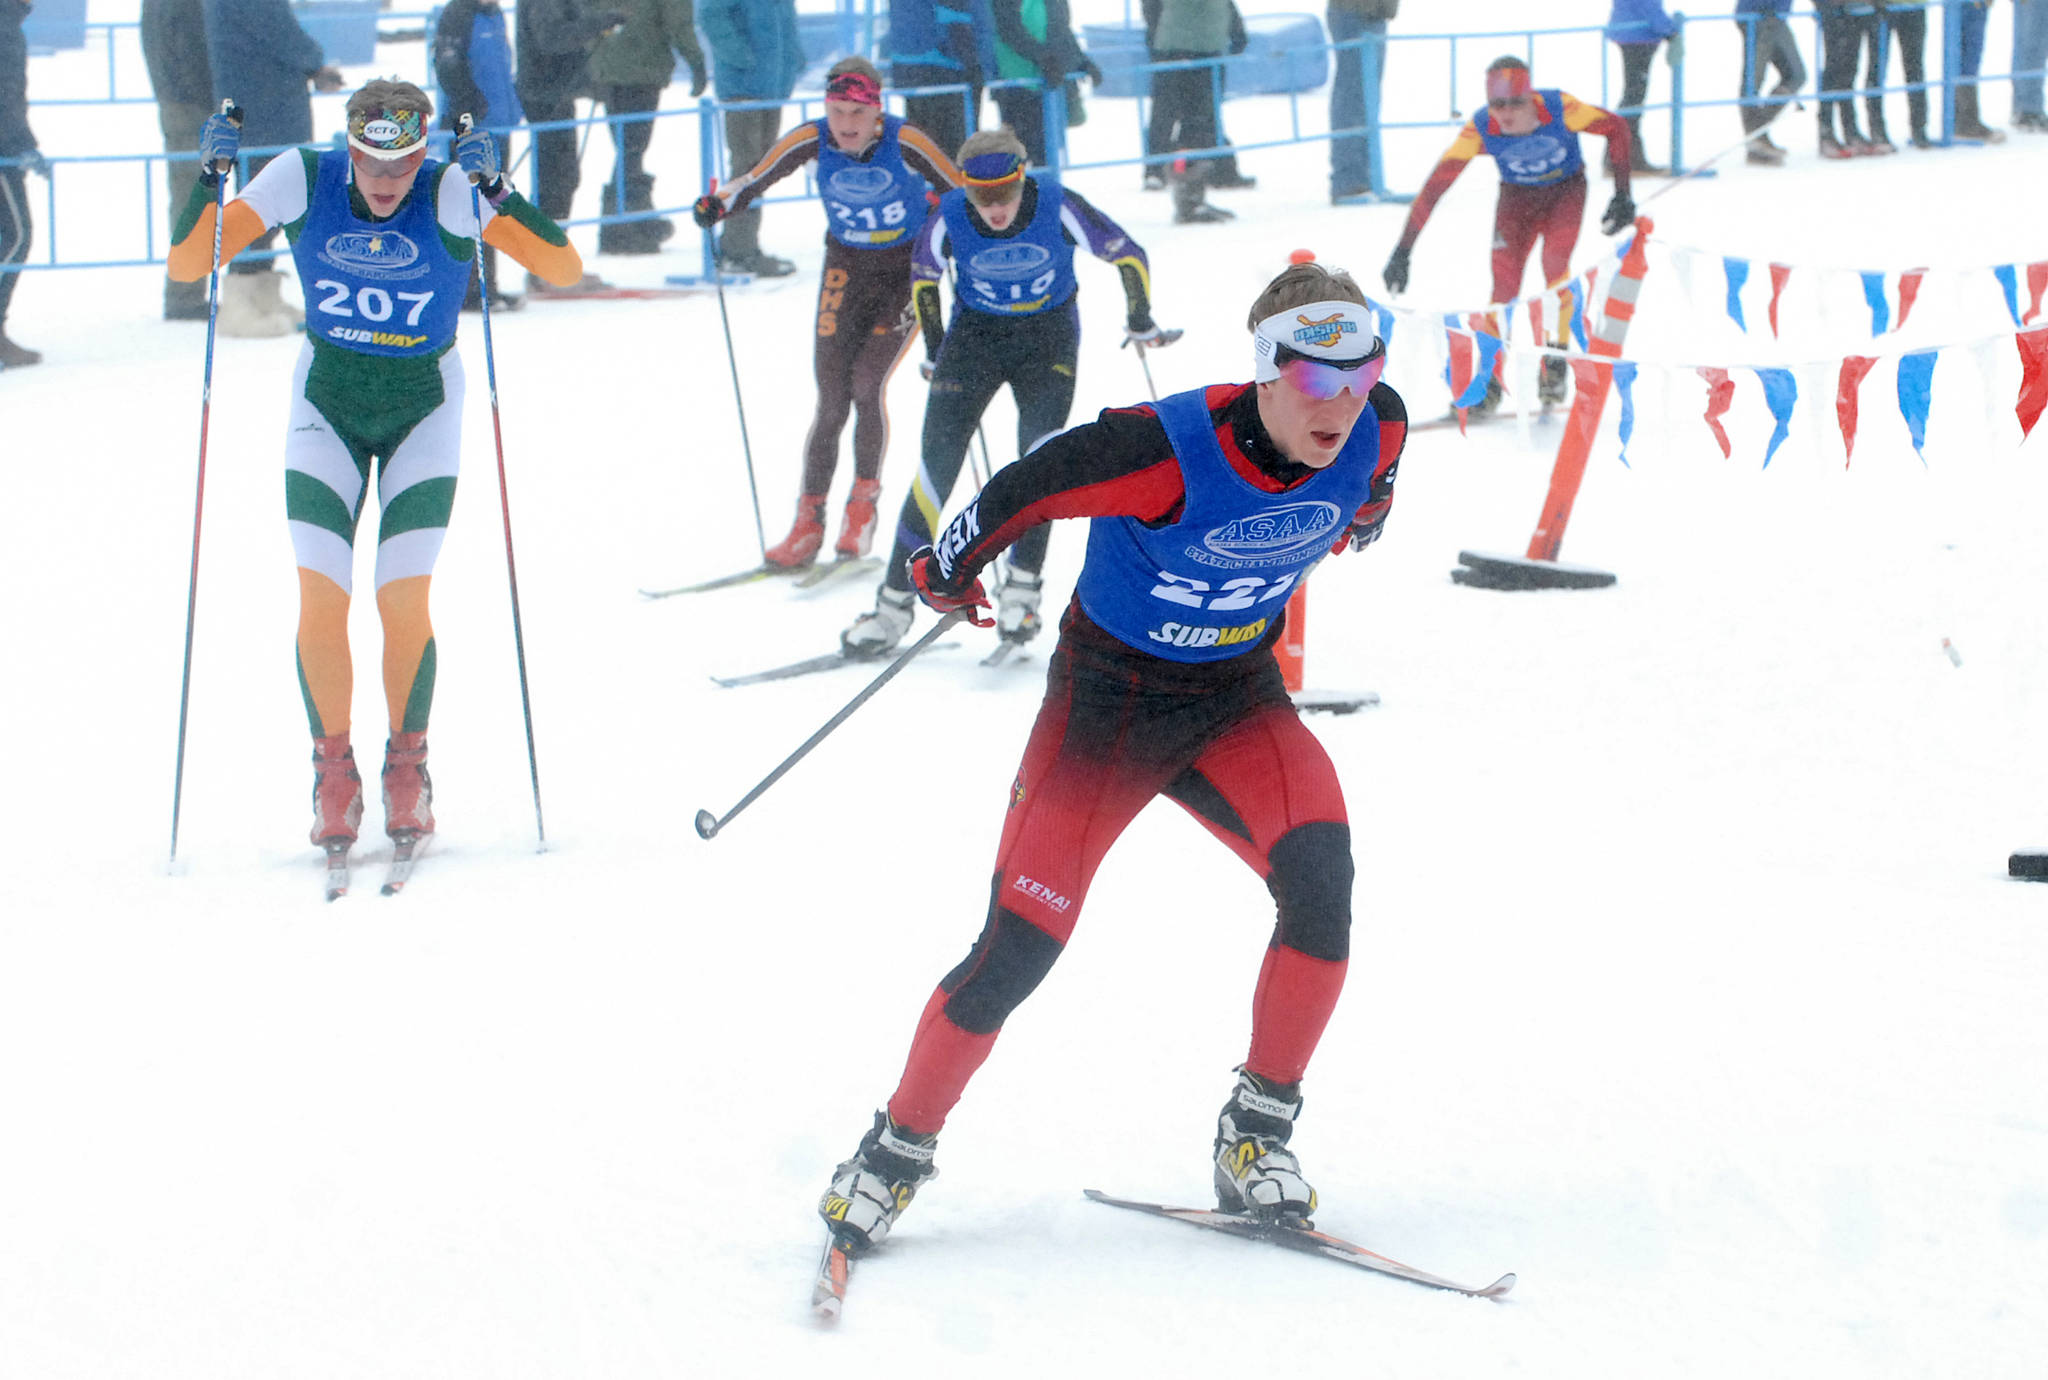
{"x": 1492, "y": 361}
{"x": 1879, "y": 290}
{"x": 1909, "y": 293}
{"x": 2008, "y": 283}
{"x": 1624, "y": 381}
{"x": 1459, "y": 373}
{"x": 1720, "y": 396}
{"x": 1916, "y": 386}
{"x": 2033, "y": 348}
{"x": 1578, "y": 313}
{"x": 1781, "y": 391}
{"x": 2037, "y": 283}
{"x": 1853, "y": 370}
{"x": 1779, "y": 274}
{"x": 1738, "y": 274}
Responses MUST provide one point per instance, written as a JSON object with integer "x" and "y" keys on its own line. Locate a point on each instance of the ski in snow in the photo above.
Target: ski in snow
{"x": 1307, "y": 1240}
{"x": 832, "y": 570}
{"x": 829, "y": 661}
{"x": 1003, "y": 652}
{"x": 337, "y": 870}
{"x": 828, "y": 1291}
{"x": 402, "y": 856}
{"x": 738, "y": 577}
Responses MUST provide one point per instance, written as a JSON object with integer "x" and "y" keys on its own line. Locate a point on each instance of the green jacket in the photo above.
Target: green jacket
{"x": 638, "y": 54}
{"x": 1193, "y": 26}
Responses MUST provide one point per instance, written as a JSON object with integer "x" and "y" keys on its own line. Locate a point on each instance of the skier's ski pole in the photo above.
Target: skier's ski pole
{"x": 709, "y": 824}
{"x": 739, "y": 403}
{"x": 220, "y": 204}
{"x": 1146, "y": 364}
{"x": 463, "y": 125}
{"x": 1744, "y": 142}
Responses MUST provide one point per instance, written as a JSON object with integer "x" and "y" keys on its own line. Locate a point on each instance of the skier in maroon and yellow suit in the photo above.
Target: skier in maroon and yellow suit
{"x": 1207, "y": 508}
{"x": 1534, "y": 137}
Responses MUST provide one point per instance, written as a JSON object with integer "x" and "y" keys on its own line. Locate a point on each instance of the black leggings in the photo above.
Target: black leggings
{"x": 1845, "y": 37}
{"x": 15, "y": 231}
{"x": 1035, "y": 355}
{"x": 1910, "y": 24}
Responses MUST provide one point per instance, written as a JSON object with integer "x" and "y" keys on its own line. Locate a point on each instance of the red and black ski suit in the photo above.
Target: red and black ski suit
{"x": 1119, "y": 726}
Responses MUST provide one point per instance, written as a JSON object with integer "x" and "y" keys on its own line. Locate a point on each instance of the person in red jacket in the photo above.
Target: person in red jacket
{"x": 1534, "y": 138}
{"x": 1207, "y": 508}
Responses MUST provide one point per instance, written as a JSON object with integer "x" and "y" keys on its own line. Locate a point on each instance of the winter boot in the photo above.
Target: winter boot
{"x": 1017, "y": 606}
{"x": 1190, "y": 206}
{"x": 857, "y": 530}
{"x": 185, "y": 301}
{"x": 1763, "y": 149}
{"x": 408, "y": 790}
{"x": 872, "y": 634}
{"x": 806, "y": 535}
{"x": 870, "y": 1191}
{"x": 273, "y": 300}
{"x": 337, "y": 792}
{"x": 250, "y": 307}
{"x": 1831, "y": 148}
{"x": 1256, "y": 1174}
{"x": 1489, "y": 404}
{"x": 1968, "y": 123}
{"x": 1554, "y": 381}
{"x": 13, "y": 356}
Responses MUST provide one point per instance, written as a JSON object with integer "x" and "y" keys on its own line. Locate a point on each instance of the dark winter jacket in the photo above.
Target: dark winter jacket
{"x": 174, "y": 48}
{"x": 1381, "y": 10}
{"x": 1639, "y": 21}
{"x": 638, "y": 54}
{"x": 15, "y": 139}
{"x": 555, "y": 37}
{"x": 262, "y": 59}
{"x": 473, "y": 65}
{"x": 756, "y": 54}
{"x": 957, "y": 37}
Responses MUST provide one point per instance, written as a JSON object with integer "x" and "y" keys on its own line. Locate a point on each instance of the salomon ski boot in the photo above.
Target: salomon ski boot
{"x": 873, "y": 634}
{"x": 857, "y": 530}
{"x": 408, "y": 790}
{"x": 806, "y": 535}
{"x": 1256, "y": 1174}
{"x": 337, "y": 792}
{"x": 870, "y": 1191}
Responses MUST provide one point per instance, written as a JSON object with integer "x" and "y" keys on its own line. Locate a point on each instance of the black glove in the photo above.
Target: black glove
{"x": 1621, "y": 213}
{"x": 931, "y": 586}
{"x": 1395, "y": 274}
{"x": 699, "y": 80}
{"x": 708, "y": 210}
{"x": 1091, "y": 71}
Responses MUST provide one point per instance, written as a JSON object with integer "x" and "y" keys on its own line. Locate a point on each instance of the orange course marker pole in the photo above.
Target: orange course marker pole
{"x": 1592, "y": 381}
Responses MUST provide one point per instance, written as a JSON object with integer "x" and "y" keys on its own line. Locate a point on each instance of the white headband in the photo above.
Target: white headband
{"x": 1341, "y": 332}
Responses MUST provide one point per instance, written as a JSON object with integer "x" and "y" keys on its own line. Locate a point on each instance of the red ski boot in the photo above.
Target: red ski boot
{"x": 408, "y": 790}
{"x": 337, "y": 792}
{"x": 857, "y": 532}
{"x": 806, "y": 535}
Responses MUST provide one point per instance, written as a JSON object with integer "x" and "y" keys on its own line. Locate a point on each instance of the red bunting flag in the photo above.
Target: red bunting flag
{"x": 1909, "y": 292}
{"x": 1853, "y": 370}
{"x": 2033, "y": 347}
{"x": 2037, "y": 283}
{"x": 1720, "y": 397}
{"x": 1779, "y": 274}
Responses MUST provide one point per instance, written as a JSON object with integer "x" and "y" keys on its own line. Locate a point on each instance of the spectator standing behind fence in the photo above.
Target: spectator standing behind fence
{"x": 1907, "y": 19}
{"x": 756, "y": 55}
{"x": 473, "y": 65}
{"x": 1766, "y": 42}
{"x": 1035, "y": 42}
{"x": 554, "y": 42}
{"x": 1637, "y": 27}
{"x": 1184, "y": 99}
{"x": 2029, "y": 55}
{"x": 263, "y": 60}
{"x": 1969, "y": 118}
{"x": 1351, "y": 118}
{"x": 630, "y": 67}
{"x": 174, "y": 48}
{"x": 934, "y": 44}
{"x": 16, "y": 142}
{"x": 1847, "y": 29}
{"x": 1222, "y": 171}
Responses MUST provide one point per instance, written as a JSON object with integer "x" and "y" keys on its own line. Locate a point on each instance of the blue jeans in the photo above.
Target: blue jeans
{"x": 1351, "y": 154}
{"x": 1970, "y": 57}
{"x": 2029, "y": 54}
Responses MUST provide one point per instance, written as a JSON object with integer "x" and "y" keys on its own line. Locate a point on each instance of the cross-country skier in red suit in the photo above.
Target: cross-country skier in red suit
{"x": 1206, "y": 510}
{"x": 1534, "y": 138}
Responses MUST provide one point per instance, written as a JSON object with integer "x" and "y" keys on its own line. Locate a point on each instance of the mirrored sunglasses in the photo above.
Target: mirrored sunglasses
{"x": 1324, "y": 379}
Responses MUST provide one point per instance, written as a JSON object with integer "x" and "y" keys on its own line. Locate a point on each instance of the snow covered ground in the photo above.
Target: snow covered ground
{"x": 1687, "y": 982}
